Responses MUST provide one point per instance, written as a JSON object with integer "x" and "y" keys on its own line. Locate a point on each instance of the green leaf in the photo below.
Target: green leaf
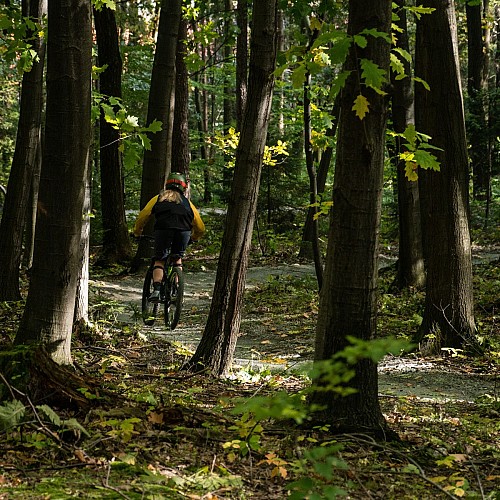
{"x": 373, "y": 75}
{"x": 11, "y": 414}
{"x": 146, "y": 141}
{"x": 397, "y": 65}
{"x": 426, "y": 160}
{"x": 419, "y": 10}
{"x": 403, "y": 53}
{"x": 73, "y": 424}
{"x": 338, "y": 83}
{"x": 423, "y": 82}
{"x": 339, "y": 50}
{"x": 299, "y": 76}
{"x": 51, "y": 414}
{"x": 361, "y": 41}
{"x": 154, "y": 126}
{"x": 376, "y": 34}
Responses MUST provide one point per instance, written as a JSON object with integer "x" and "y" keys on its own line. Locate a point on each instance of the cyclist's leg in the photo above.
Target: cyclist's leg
{"x": 163, "y": 242}
{"x": 179, "y": 245}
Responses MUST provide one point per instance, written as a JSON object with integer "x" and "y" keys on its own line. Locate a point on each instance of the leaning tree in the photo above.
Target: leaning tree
{"x": 218, "y": 342}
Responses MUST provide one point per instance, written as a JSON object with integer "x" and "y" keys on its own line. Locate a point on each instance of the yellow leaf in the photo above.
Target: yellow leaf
{"x": 411, "y": 171}
{"x": 360, "y": 106}
{"x": 315, "y": 23}
{"x": 459, "y": 492}
{"x": 155, "y": 418}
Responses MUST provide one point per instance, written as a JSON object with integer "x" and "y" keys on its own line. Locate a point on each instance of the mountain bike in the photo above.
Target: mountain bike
{"x": 171, "y": 294}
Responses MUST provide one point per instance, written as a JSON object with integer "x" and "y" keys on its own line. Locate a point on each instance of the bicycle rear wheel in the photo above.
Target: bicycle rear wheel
{"x": 174, "y": 298}
{"x": 149, "y": 309}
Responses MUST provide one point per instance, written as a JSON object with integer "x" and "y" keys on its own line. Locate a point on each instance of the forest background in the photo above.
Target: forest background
{"x": 139, "y": 438}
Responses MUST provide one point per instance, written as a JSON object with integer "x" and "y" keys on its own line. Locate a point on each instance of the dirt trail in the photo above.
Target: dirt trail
{"x": 409, "y": 376}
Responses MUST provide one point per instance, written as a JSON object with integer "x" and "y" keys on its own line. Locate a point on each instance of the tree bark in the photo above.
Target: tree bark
{"x": 218, "y": 342}
{"x": 348, "y": 299}
{"x": 241, "y": 60}
{"x": 477, "y": 81}
{"x": 116, "y": 246}
{"x": 448, "y": 314}
{"x": 157, "y": 160}
{"x": 48, "y": 315}
{"x": 24, "y": 164}
{"x": 181, "y": 156}
{"x": 411, "y": 269}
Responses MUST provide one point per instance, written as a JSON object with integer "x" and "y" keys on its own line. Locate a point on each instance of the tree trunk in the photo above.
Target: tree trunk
{"x": 228, "y": 107}
{"x": 81, "y": 317}
{"x": 348, "y": 300}
{"x": 411, "y": 269}
{"x": 323, "y": 168}
{"x": 448, "y": 313}
{"x": 477, "y": 81}
{"x": 181, "y": 156}
{"x": 241, "y": 60}
{"x": 311, "y": 172}
{"x": 116, "y": 247}
{"x": 48, "y": 315}
{"x": 217, "y": 345}
{"x": 23, "y": 164}
{"x": 157, "y": 160}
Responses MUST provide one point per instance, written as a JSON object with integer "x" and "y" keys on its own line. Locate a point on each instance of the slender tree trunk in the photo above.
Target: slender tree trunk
{"x": 348, "y": 299}
{"x": 217, "y": 345}
{"x": 228, "y": 107}
{"x": 157, "y": 160}
{"x": 311, "y": 172}
{"x": 477, "y": 81}
{"x": 411, "y": 269}
{"x": 116, "y": 246}
{"x": 81, "y": 316}
{"x": 448, "y": 314}
{"x": 181, "y": 156}
{"x": 23, "y": 165}
{"x": 48, "y": 315}
{"x": 323, "y": 169}
{"x": 29, "y": 235}
{"x": 241, "y": 60}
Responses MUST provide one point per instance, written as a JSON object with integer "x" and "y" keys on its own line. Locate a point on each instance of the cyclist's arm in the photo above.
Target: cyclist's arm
{"x": 144, "y": 215}
{"x": 198, "y": 225}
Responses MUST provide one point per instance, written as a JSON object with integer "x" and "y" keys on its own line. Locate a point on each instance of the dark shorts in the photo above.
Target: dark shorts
{"x": 170, "y": 241}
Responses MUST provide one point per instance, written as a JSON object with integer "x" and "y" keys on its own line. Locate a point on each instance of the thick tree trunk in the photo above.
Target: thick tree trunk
{"x": 448, "y": 313}
{"x": 23, "y": 165}
{"x": 157, "y": 160}
{"x": 48, "y": 315}
{"x": 116, "y": 245}
{"x": 411, "y": 269}
{"x": 217, "y": 345}
{"x": 348, "y": 299}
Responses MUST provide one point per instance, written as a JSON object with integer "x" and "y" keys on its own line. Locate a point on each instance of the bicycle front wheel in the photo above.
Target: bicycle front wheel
{"x": 174, "y": 298}
{"x": 149, "y": 309}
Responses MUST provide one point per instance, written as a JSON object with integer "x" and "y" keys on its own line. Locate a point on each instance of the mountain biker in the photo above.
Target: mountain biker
{"x": 177, "y": 223}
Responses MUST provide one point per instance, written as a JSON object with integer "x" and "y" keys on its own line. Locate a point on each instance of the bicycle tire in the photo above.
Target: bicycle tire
{"x": 175, "y": 297}
{"x": 149, "y": 309}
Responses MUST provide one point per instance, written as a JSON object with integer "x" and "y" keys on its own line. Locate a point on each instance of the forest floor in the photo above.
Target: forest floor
{"x": 282, "y": 346}
{"x": 154, "y": 432}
